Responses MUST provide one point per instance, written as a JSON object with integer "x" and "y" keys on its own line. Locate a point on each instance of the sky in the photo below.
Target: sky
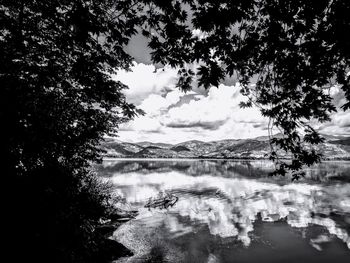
{"x": 173, "y": 116}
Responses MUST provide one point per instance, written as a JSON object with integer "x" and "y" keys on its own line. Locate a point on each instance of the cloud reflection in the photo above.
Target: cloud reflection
{"x": 230, "y": 206}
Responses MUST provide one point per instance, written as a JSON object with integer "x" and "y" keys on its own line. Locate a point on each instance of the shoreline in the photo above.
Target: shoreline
{"x": 205, "y": 158}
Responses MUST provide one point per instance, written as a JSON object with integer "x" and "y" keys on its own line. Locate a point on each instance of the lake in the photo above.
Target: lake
{"x": 232, "y": 211}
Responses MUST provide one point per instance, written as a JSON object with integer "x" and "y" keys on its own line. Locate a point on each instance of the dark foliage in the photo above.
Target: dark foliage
{"x": 57, "y": 211}
{"x": 57, "y": 101}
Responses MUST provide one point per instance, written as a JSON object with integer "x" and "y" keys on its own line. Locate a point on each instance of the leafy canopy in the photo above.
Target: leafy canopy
{"x": 57, "y": 96}
{"x": 57, "y": 101}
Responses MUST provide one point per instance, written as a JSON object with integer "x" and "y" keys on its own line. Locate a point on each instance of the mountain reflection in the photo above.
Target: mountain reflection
{"x": 327, "y": 171}
{"x": 229, "y": 198}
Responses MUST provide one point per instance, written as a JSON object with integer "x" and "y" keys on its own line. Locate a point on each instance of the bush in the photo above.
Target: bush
{"x": 56, "y": 215}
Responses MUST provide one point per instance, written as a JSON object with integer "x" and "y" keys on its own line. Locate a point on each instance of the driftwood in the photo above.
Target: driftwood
{"x": 162, "y": 201}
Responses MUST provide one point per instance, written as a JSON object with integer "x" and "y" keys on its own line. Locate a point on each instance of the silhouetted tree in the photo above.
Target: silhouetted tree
{"x": 57, "y": 100}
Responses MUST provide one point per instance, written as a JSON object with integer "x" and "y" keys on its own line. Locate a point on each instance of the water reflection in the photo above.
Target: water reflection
{"x": 326, "y": 171}
{"x": 227, "y": 200}
{"x": 191, "y": 167}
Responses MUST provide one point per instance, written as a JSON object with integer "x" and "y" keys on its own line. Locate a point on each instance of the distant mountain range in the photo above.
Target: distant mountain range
{"x": 334, "y": 147}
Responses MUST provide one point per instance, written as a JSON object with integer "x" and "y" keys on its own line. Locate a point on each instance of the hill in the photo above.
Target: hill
{"x": 256, "y": 148}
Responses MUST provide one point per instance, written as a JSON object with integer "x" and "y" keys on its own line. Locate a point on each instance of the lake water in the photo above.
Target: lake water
{"x": 232, "y": 211}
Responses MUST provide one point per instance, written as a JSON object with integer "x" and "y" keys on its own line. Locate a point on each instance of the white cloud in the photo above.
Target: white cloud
{"x": 212, "y": 117}
{"x": 340, "y": 120}
{"x": 144, "y": 80}
{"x": 154, "y": 106}
{"x": 339, "y": 124}
{"x": 173, "y": 116}
{"x": 219, "y": 105}
{"x": 144, "y": 124}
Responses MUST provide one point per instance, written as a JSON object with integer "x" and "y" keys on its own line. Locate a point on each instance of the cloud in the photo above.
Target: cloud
{"x": 142, "y": 124}
{"x": 212, "y": 111}
{"x": 340, "y": 120}
{"x": 154, "y": 106}
{"x": 144, "y": 80}
{"x": 204, "y": 125}
{"x": 176, "y": 116}
{"x": 339, "y": 124}
{"x": 173, "y": 116}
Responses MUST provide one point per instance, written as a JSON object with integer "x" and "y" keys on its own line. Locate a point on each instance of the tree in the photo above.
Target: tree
{"x": 57, "y": 95}
{"x": 57, "y": 102}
